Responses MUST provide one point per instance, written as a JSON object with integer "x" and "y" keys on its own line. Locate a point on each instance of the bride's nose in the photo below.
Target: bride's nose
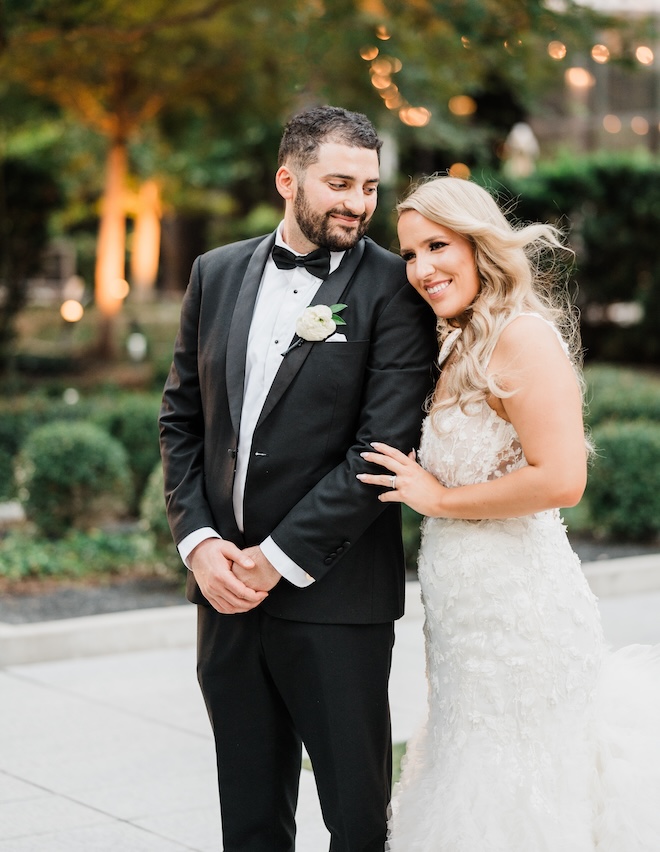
{"x": 423, "y": 267}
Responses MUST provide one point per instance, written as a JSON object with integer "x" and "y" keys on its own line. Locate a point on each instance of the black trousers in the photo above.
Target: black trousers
{"x": 270, "y": 685}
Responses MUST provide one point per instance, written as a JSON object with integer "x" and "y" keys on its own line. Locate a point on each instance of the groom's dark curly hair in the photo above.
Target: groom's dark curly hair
{"x": 308, "y": 130}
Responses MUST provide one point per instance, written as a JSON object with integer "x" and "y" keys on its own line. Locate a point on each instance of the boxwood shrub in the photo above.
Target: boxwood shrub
{"x": 133, "y": 420}
{"x": 620, "y": 394}
{"x": 71, "y": 475}
{"x": 152, "y": 508}
{"x": 623, "y": 498}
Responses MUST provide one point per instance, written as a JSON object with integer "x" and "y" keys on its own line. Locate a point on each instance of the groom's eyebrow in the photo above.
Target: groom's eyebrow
{"x": 351, "y": 177}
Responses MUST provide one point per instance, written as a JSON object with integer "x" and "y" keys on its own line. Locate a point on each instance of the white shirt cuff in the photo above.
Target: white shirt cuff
{"x": 190, "y": 542}
{"x": 285, "y": 565}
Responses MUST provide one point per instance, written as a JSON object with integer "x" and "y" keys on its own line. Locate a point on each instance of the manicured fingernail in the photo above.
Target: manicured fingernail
{"x": 359, "y": 476}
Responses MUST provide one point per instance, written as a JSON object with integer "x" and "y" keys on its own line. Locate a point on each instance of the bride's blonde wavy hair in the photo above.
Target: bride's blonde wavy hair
{"x": 520, "y": 271}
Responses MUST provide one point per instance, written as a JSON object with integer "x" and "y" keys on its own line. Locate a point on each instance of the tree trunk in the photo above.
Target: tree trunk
{"x": 110, "y": 285}
{"x": 146, "y": 242}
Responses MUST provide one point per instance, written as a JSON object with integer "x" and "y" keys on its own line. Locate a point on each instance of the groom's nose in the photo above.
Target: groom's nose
{"x": 355, "y": 202}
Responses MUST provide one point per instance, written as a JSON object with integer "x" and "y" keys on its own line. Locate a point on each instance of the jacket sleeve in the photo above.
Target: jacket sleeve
{"x": 182, "y": 425}
{"x": 330, "y": 518}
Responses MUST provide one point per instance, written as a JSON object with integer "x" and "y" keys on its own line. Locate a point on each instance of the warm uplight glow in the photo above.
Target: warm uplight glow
{"x": 415, "y": 116}
{"x": 644, "y": 55}
{"x": 145, "y": 248}
{"x": 459, "y": 170}
{"x": 382, "y": 33}
{"x": 462, "y": 105}
{"x": 579, "y": 78}
{"x": 612, "y": 123}
{"x": 369, "y": 52}
{"x": 120, "y": 288}
{"x": 556, "y": 50}
{"x": 465, "y": 41}
{"x": 71, "y": 310}
{"x": 639, "y": 125}
{"x": 600, "y": 53}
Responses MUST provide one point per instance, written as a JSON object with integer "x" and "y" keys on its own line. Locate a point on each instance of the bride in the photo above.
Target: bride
{"x": 538, "y": 738}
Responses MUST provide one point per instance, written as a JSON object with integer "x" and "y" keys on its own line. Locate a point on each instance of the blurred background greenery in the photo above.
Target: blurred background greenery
{"x": 135, "y": 136}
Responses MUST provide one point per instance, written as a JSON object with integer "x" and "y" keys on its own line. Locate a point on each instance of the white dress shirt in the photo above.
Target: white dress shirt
{"x": 283, "y": 296}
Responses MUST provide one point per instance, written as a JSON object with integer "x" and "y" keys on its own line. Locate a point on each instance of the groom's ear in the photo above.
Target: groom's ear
{"x": 286, "y": 182}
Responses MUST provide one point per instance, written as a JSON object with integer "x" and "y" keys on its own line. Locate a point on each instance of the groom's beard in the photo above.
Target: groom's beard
{"x": 322, "y": 231}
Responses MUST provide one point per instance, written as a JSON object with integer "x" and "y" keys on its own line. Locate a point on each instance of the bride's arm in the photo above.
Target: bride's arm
{"x": 546, "y": 412}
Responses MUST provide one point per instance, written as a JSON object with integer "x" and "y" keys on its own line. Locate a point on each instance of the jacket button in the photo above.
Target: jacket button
{"x": 328, "y": 560}
{"x": 346, "y": 544}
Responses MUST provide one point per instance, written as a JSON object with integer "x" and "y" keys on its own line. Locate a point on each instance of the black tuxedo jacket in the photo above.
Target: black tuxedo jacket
{"x": 327, "y": 402}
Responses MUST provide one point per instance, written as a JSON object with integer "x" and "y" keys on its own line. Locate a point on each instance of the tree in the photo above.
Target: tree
{"x": 215, "y": 79}
{"x": 28, "y": 194}
{"x": 110, "y": 66}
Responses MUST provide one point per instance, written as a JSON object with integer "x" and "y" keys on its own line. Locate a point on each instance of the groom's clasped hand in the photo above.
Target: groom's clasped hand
{"x": 231, "y": 579}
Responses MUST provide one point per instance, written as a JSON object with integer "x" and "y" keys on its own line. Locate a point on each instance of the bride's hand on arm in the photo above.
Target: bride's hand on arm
{"x": 415, "y": 486}
{"x": 546, "y": 413}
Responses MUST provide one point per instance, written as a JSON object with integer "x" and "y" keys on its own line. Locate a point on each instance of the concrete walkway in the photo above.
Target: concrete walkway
{"x": 104, "y": 740}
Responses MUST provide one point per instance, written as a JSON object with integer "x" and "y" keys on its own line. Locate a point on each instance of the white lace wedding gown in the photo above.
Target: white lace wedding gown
{"x": 538, "y": 739}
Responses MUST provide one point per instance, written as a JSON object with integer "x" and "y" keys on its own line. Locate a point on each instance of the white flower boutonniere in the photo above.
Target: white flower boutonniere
{"x": 316, "y": 323}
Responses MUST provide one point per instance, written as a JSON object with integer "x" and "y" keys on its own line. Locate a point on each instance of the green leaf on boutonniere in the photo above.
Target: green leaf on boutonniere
{"x": 336, "y": 309}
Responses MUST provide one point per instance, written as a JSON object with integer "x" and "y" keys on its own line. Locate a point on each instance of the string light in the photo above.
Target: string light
{"x": 462, "y": 105}
{"x": 415, "y": 116}
{"x": 557, "y": 50}
{"x": 459, "y": 170}
{"x": 644, "y": 55}
{"x": 600, "y": 53}
{"x": 369, "y": 52}
{"x": 612, "y": 123}
{"x": 71, "y": 310}
{"x": 580, "y": 78}
{"x": 639, "y": 125}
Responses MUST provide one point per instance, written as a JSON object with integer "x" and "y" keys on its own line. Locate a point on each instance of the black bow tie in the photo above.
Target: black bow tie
{"x": 317, "y": 262}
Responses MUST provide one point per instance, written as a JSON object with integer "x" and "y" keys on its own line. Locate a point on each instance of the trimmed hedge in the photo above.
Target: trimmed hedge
{"x": 71, "y": 475}
{"x": 152, "y": 508}
{"x": 130, "y": 418}
{"x": 133, "y": 421}
{"x": 619, "y": 394}
{"x": 623, "y": 498}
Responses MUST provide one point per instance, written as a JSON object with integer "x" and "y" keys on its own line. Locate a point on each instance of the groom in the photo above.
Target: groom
{"x": 297, "y": 569}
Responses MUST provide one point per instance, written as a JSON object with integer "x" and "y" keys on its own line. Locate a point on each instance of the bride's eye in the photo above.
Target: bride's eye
{"x": 438, "y": 244}
{"x": 408, "y": 256}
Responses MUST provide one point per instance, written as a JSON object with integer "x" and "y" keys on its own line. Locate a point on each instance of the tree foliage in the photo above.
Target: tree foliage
{"x": 195, "y": 91}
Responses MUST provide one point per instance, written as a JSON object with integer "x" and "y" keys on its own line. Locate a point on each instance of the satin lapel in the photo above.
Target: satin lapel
{"x": 328, "y": 294}
{"x": 240, "y": 328}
